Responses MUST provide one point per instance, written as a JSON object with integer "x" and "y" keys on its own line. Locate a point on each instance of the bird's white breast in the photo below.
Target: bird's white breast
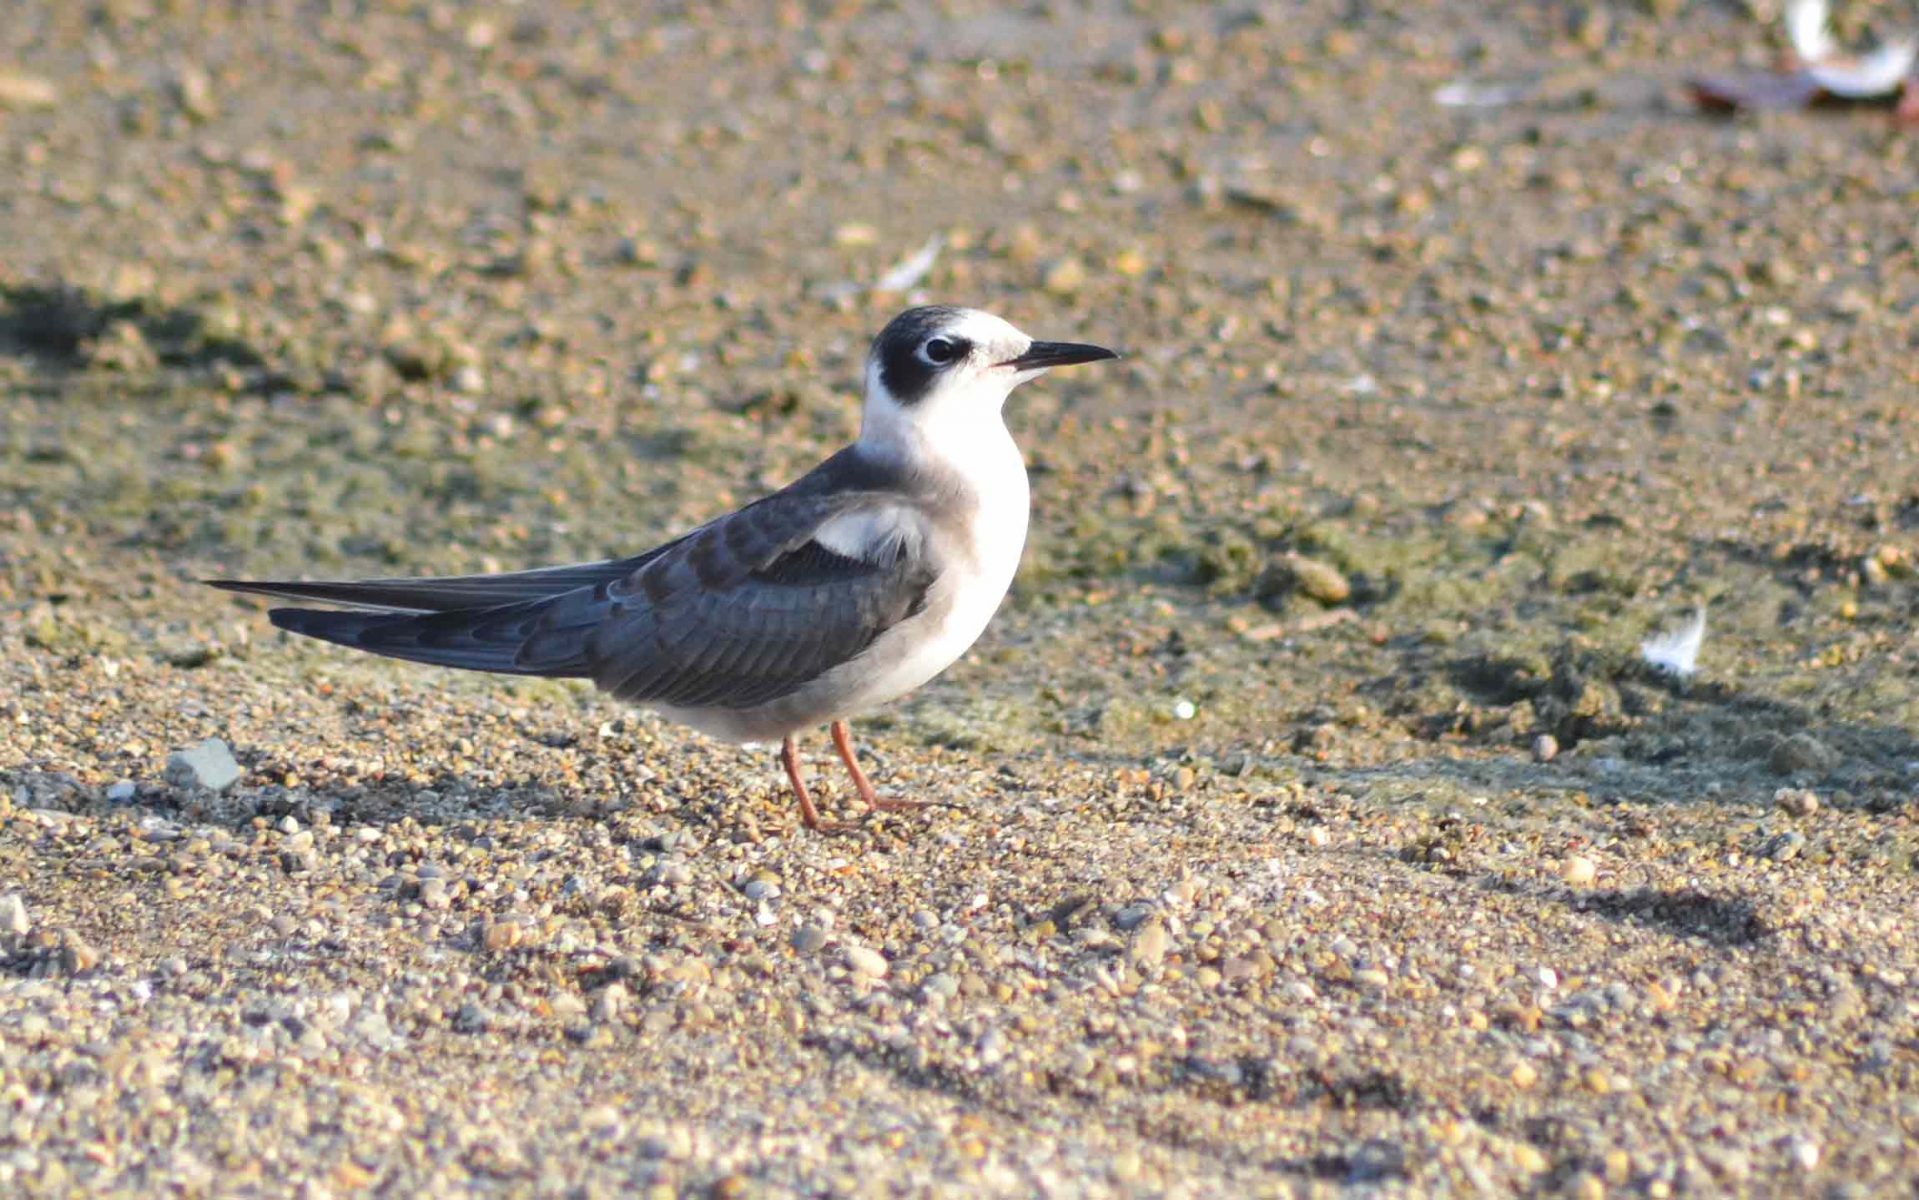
{"x": 969, "y": 591}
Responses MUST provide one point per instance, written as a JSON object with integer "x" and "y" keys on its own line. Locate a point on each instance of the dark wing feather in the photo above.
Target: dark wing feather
{"x": 737, "y": 613}
{"x": 751, "y": 608}
{"x": 447, "y": 592}
{"x": 485, "y": 639}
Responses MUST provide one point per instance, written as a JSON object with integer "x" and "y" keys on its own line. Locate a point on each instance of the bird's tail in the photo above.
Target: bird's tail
{"x": 520, "y": 623}
{"x": 487, "y": 639}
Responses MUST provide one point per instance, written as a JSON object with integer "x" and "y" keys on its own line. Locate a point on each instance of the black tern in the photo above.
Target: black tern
{"x": 846, "y": 589}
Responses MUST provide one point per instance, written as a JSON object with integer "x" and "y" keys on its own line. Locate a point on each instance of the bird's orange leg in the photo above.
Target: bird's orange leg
{"x": 843, "y": 742}
{"x": 790, "y": 759}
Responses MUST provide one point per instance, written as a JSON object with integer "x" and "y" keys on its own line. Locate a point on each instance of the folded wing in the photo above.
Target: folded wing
{"x": 736, "y": 613}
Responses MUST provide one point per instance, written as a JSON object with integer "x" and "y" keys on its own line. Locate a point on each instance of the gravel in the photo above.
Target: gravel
{"x": 209, "y": 765}
{"x": 1307, "y": 821}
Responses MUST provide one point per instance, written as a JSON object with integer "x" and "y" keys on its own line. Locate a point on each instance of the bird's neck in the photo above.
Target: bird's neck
{"x": 969, "y": 442}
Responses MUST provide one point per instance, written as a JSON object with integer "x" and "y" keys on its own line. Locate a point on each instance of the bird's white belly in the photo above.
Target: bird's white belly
{"x": 958, "y": 609}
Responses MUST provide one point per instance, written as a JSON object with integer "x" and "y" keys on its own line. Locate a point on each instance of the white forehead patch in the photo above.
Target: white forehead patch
{"x": 985, "y": 329}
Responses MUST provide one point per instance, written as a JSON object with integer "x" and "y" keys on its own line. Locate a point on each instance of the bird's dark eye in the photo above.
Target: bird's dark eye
{"x": 940, "y": 350}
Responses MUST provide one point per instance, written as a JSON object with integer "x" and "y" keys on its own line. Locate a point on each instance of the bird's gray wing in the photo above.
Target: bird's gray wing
{"x": 736, "y": 613}
{"x": 446, "y": 592}
{"x": 753, "y": 606}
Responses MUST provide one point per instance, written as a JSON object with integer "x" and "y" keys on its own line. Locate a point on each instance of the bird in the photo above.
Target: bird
{"x": 846, "y": 589}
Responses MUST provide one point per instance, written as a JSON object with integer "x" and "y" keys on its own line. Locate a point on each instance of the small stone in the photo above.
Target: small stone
{"x": 121, "y": 792}
{"x": 470, "y": 1019}
{"x": 610, "y": 1003}
{"x": 1545, "y": 748}
{"x": 1131, "y": 917}
{"x": 502, "y": 935}
{"x": 941, "y": 984}
{"x": 77, "y": 954}
{"x": 1295, "y": 573}
{"x": 1801, "y": 752}
{"x": 1586, "y": 1186}
{"x": 1149, "y": 946}
{"x": 674, "y": 1142}
{"x": 1317, "y": 836}
{"x": 809, "y": 939}
{"x": 1784, "y": 847}
{"x": 193, "y": 87}
{"x": 1579, "y": 870}
{"x": 1805, "y": 1153}
{"x": 869, "y": 963}
{"x": 14, "y": 921}
{"x": 208, "y": 765}
{"x": 1796, "y": 802}
{"x": 27, "y": 91}
{"x": 1527, "y": 1158}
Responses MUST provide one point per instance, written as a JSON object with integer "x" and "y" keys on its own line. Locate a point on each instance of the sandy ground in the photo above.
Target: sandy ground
{"x": 1311, "y": 823}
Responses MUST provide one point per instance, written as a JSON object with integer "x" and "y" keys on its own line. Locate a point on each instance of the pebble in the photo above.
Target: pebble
{"x": 210, "y": 765}
{"x": 869, "y": 963}
{"x": 121, "y": 792}
{"x": 1545, "y": 748}
{"x": 1148, "y": 948}
{"x": 610, "y": 1003}
{"x": 27, "y": 91}
{"x": 77, "y": 954}
{"x": 471, "y": 1018}
{"x": 1805, "y": 1153}
{"x": 809, "y": 939}
{"x": 1131, "y": 917}
{"x": 1801, "y": 752}
{"x": 1796, "y": 802}
{"x": 13, "y": 916}
{"x": 1308, "y": 577}
{"x": 941, "y": 984}
{"x": 1579, "y": 870}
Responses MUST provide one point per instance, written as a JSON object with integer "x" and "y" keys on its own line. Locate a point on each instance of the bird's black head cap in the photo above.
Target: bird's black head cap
{"x": 916, "y": 347}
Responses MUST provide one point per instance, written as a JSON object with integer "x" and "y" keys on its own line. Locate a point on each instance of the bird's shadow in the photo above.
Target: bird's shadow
{"x": 63, "y": 329}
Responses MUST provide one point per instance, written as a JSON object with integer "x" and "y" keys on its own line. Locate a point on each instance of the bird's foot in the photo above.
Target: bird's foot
{"x": 830, "y": 827}
{"x": 900, "y": 804}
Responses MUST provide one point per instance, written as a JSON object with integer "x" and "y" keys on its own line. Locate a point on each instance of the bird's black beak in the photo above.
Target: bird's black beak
{"x": 1040, "y": 355}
